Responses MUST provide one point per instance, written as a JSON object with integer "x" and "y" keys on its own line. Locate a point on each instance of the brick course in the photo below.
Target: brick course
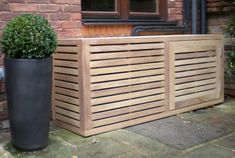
{"x": 64, "y": 15}
{"x": 219, "y": 13}
{"x": 175, "y": 8}
{"x": 58, "y": 12}
{"x": 65, "y": 18}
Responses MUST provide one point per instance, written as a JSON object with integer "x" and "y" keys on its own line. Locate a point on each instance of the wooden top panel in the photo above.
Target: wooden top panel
{"x": 139, "y": 39}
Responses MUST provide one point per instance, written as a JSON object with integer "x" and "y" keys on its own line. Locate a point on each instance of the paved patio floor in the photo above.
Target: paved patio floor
{"x": 207, "y": 133}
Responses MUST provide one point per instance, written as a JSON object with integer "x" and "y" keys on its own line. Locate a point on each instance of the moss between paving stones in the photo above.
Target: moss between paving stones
{"x": 93, "y": 146}
{"x": 56, "y": 149}
{"x": 105, "y": 148}
{"x": 72, "y": 138}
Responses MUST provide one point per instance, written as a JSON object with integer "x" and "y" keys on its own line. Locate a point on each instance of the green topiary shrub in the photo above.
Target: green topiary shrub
{"x": 29, "y": 37}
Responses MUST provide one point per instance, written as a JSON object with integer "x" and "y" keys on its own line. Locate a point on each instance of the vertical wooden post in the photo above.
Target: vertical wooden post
{"x": 84, "y": 86}
{"x": 169, "y": 76}
{"x": 220, "y": 68}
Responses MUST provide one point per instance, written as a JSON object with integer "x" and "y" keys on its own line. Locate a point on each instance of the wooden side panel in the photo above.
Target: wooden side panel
{"x": 102, "y": 84}
{"x": 127, "y": 81}
{"x": 66, "y": 100}
{"x": 197, "y": 71}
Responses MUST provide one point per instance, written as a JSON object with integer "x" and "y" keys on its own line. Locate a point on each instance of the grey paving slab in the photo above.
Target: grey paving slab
{"x": 226, "y": 108}
{"x": 73, "y": 138}
{"x": 132, "y": 154}
{"x": 178, "y": 133}
{"x": 207, "y": 151}
{"x": 199, "y": 134}
{"x": 202, "y": 115}
{"x": 54, "y": 128}
{"x": 227, "y": 142}
{"x": 103, "y": 149}
{"x": 226, "y": 122}
{"x": 142, "y": 144}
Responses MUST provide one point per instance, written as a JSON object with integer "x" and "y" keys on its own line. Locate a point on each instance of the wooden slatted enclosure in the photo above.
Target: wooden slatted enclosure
{"x": 102, "y": 84}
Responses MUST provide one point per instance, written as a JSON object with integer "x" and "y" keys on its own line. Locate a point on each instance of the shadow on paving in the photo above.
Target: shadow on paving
{"x": 178, "y": 133}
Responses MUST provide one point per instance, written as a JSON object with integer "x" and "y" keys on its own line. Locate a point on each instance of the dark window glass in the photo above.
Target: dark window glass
{"x": 148, "y": 6}
{"x": 99, "y": 5}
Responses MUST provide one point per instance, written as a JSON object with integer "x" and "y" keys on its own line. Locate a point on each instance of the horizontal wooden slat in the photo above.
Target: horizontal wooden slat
{"x": 67, "y": 99}
{"x": 63, "y": 70}
{"x": 129, "y": 109}
{"x": 194, "y": 84}
{"x": 126, "y": 89}
{"x": 127, "y": 117}
{"x": 195, "y": 95}
{"x": 143, "y": 60}
{"x": 122, "y": 40}
{"x": 195, "y": 61}
{"x": 67, "y": 120}
{"x": 193, "y": 46}
{"x": 150, "y": 39}
{"x": 124, "y": 47}
{"x": 68, "y": 127}
{"x": 194, "y": 101}
{"x": 67, "y": 113}
{"x": 64, "y": 77}
{"x": 195, "y": 78}
{"x": 127, "y": 103}
{"x": 68, "y": 106}
{"x": 127, "y": 75}
{"x": 126, "y": 82}
{"x": 195, "y": 72}
{"x": 150, "y": 117}
{"x": 69, "y": 49}
{"x": 68, "y": 92}
{"x": 68, "y": 42}
{"x": 114, "y": 98}
{"x": 196, "y": 66}
{"x": 73, "y": 57}
{"x": 126, "y": 54}
{"x": 131, "y": 78}
{"x": 65, "y": 63}
{"x": 194, "y": 55}
{"x": 195, "y": 89}
{"x": 68, "y": 85}
{"x": 126, "y": 68}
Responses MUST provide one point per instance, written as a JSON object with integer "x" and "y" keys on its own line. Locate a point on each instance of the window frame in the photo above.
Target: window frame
{"x": 123, "y": 13}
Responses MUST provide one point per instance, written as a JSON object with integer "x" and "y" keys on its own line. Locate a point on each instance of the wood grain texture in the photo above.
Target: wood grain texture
{"x": 102, "y": 84}
{"x": 106, "y": 30}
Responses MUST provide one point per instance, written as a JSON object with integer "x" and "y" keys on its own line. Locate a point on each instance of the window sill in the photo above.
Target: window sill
{"x": 158, "y": 22}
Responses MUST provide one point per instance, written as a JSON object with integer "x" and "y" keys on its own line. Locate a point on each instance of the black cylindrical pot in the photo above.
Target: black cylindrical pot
{"x": 28, "y": 88}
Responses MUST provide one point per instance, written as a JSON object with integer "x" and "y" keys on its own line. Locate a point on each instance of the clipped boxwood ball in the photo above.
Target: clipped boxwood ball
{"x": 29, "y": 37}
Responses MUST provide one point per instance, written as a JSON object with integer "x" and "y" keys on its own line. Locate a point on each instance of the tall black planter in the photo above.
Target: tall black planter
{"x": 28, "y": 87}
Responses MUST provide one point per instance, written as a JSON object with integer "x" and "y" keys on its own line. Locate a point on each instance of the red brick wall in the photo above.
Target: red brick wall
{"x": 175, "y": 10}
{"x": 219, "y": 13}
{"x": 64, "y": 15}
